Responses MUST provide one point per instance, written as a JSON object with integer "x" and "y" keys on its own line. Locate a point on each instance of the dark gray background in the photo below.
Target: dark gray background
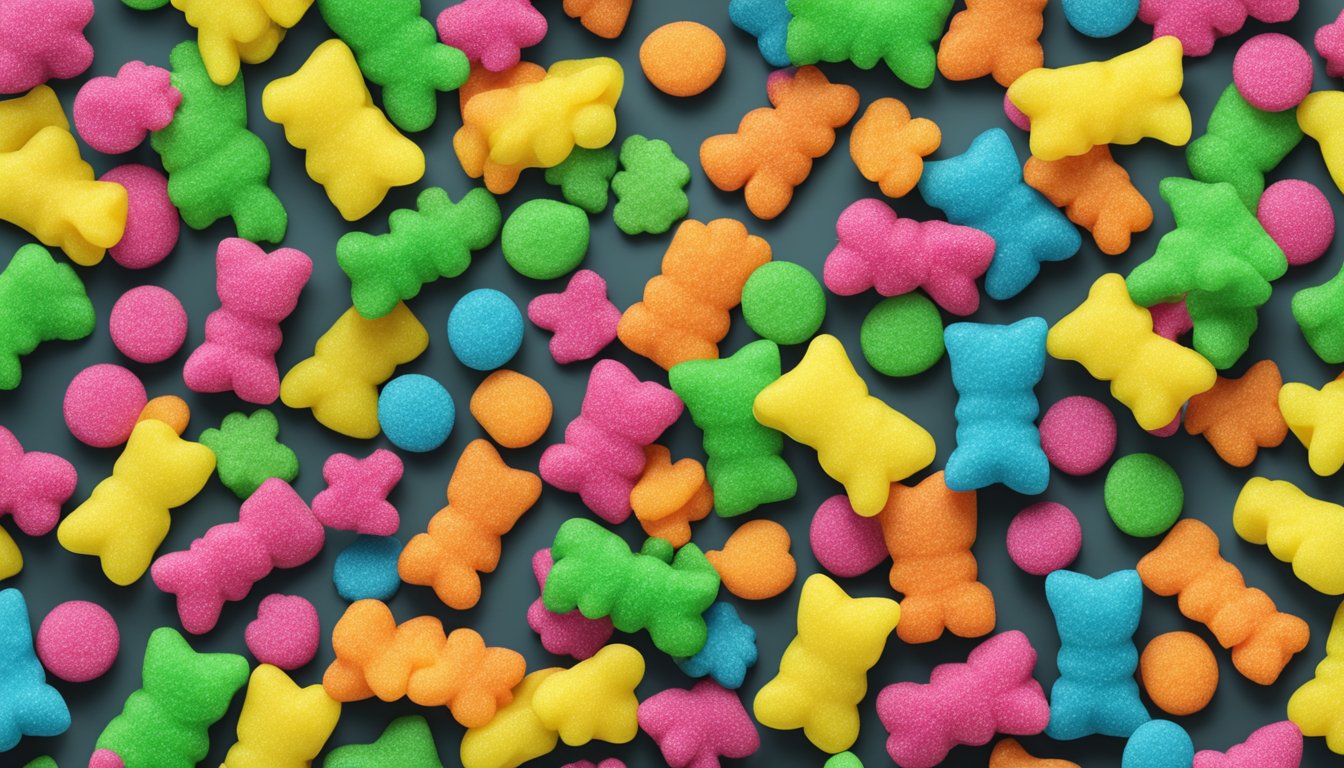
{"x": 804, "y": 234}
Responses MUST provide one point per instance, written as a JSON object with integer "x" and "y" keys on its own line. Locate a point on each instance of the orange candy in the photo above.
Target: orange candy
{"x": 755, "y": 563}
{"x": 889, "y": 148}
{"x": 1179, "y": 673}
{"x": 1240, "y": 416}
{"x": 513, "y": 409}
{"x": 604, "y": 18}
{"x": 481, "y": 80}
{"x": 170, "y": 409}
{"x": 1010, "y": 754}
{"x": 682, "y": 58}
{"x": 1095, "y": 193}
{"x": 669, "y": 497}
{"x": 993, "y": 37}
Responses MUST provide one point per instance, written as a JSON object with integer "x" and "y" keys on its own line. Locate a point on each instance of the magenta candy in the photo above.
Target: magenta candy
{"x": 1170, "y": 429}
{"x": 564, "y": 634}
{"x": 1277, "y": 745}
{"x": 582, "y": 318}
{"x": 106, "y": 758}
{"x": 1299, "y": 218}
{"x": 1330, "y": 44}
{"x": 1197, "y": 23}
{"x": 102, "y": 404}
{"x": 610, "y": 762}
{"x": 1272, "y": 72}
{"x": 148, "y": 324}
{"x": 1171, "y": 320}
{"x": 114, "y": 114}
{"x": 78, "y": 641}
{"x": 33, "y": 485}
{"x": 1015, "y": 116}
{"x": 152, "y": 221}
{"x": 285, "y": 633}
{"x": 355, "y": 498}
{"x": 41, "y": 40}
{"x": 1078, "y": 435}
{"x": 492, "y": 32}
{"x": 1044, "y": 537}
{"x": 695, "y": 728}
{"x": 843, "y": 541}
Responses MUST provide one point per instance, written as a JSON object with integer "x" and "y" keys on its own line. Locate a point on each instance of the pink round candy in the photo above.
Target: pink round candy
{"x": 106, "y": 758}
{"x": 1015, "y": 116}
{"x": 148, "y": 324}
{"x": 1044, "y": 537}
{"x": 102, "y": 404}
{"x": 1298, "y": 216}
{"x": 152, "y": 223}
{"x": 285, "y": 633}
{"x": 78, "y": 641}
{"x": 1078, "y": 435}
{"x": 1273, "y": 72}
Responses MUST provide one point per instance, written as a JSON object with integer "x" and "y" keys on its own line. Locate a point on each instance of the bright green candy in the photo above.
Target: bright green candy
{"x": 406, "y": 743}
{"x": 783, "y": 302}
{"x": 901, "y": 32}
{"x": 584, "y": 176}
{"x": 435, "y": 240}
{"x": 544, "y": 239}
{"x": 1242, "y": 145}
{"x": 216, "y": 166}
{"x": 40, "y": 300}
{"x": 902, "y": 335}
{"x": 745, "y": 468}
{"x": 596, "y": 573}
{"x": 1319, "y": 312}
{"x": 247, "y": 453}
{"x": 844, "y": 760}
{"x": 166, "y": 723}
{"x": 144, "y": 5}
{"x": 1143, "y": 495}
{"x": 650, "y": 189}
{"x": 42, "y": 762}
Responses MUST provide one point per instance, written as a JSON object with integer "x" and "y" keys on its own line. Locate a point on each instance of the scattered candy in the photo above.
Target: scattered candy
{"x": 993, "y": 37}
{"x": 1242, "y": 145}
{"x": 768, "y": 22}
{"x": 902, "y": 35}
{"x": 1044, "y": 537}
{"x": 696, "y": 727}
{"x": 1197, "y": 26}
{"x": 513, "y": 409}
{"x": 1100, "y": 18}
{"x": 1317, "y": 313}
{"x": 1179, "y": 672}
{"x": 281, "y": 724}
{"x": 1010, "y": 754}
{"x": 1329, "y": 42}
{"x": 1299, "y": 218}
{"x": 355, "y": 498}
{"x": 1095, "y": 193}
{"x": 33, "y": 487}
{"x": 729, "y": 651}
{"x": 1272, "y": 72}
{"x": 668, "y": 497}
{"x": 78, "y": 641}
{"x": 114, "y": 114}
{"x": 1298, "y": 529}
{"x": 170, "y": 409}
{"x": 564, "y": 634}
{"x": 32, "y": 707}
{"x": 515, "y": 734}
{"x": 102, "y": 405}
{"x": 755, "y": 563}
{"x": 492, "y": 32}
{"x": 1311, "y": 707}
{"x": 783, "y": 302}
{"x": 889, "y": 147}
{"x": 649, "y": 188}
{"x": 248, "y": 452}
{"x": 545, "y": 239}
{"x": 1078, "y": 435}
{"x": 682, "y": 58}
{"x": 1240, "y": 416}
{"x": 285, "y": 633}
{"x": 604, "y": 18}
{"x": 584, "y": 178}
{"x": 582, "y": 318}
{"x": 406, "y": 742}
{"x": 1158, "y": 744}
{"x": 1277, "y": 745}
{"x": 152, "y": 221}
{"x": 367, "y": 569}
{"x": 148, "y": 324}
{"x": 416, "y": 412}
{"x": 902, "y": 335}
{"x": 1143, "y": 495}
{"x": 42, "y": 40}
{"x": 594, "y": 699}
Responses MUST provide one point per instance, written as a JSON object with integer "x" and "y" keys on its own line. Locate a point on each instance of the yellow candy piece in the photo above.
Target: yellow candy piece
{"x": 860, "y": 441}
{"x": 1321, "y": 116}
{"x": 246, "y": 30}
{"x": 824, "y": 672}
{"x": 515, "y": 735}
{"x": 1113, "y": 338}
{"x": 353, "y": 151}
{"x": 281, "y": 725}
{"x": 126, "y": 517}
{"x": 340, "y": 381}
{"x": 11, "y": 559}
{"x": 537, "y": 125}
{"x": 1316, "y": 417}
{"x": 594, "y": 699}
{"x": 1315, "y": 706}
{"x": 1299, "y": 529}
{"x": 22, "y": 118}
{"x": 1133, "y": 96}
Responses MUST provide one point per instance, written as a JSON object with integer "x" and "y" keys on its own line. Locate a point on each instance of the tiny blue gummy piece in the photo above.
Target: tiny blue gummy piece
{"x": 729, "y": 651}
{"x": 367, "y": 569}
{"x": 485, "y": 329}
{"x": 1159, "y": 744}
{"x": 768, "y": 22}
{"x": 28, "y": 706}
{"x": 416, "y": 412}
{"x": 1100, "y": 18}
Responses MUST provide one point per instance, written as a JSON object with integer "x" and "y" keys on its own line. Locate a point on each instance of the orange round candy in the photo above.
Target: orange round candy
{"x": 682, "y": 58}
{"x": 1179, "y": 672}
{"x": 170, "y": 409}
{"x": 513, "y": 409}
{"x": 755, "y": 563}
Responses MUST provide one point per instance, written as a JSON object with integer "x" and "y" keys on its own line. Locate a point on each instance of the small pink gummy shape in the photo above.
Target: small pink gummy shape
{"x": 257, "y": 290}
{"x": 1277, "y": 745}
{"x": 41, "y": 40}
{"x": 285, "y": 633}
{"x": 1330, "y": 44}
{"x": 33, "y": 486}
{"x": 877, "y": 249}
{"x": 843, "y": 541}
{"x": 610, "y": 762}
{"x": 355, "y": 498}
{"x": 492, "y": 32}
{"x": 564, "y": 634}
{"x": 582, "y": 318}
{"x": 106, "y": 758}
{"x": 1197, "y": 23}
{"x": 695, "y": 728}
{"x": 113, "y": 114}
{"x": 1171, "y": 321}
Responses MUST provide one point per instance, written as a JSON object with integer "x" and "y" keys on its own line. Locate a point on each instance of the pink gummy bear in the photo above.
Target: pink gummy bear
{"x": 355, "y": 498}
{"x": 114, "y": 114}
{"x": 695, "y": 728}
{"x": 1171, "y": 320}
{"x": 257, "y": 290}
{"x": 275, "y": 529}
{"x": 603, "y": 453}
{"x": 493, "y": 32}
{"x": 1197, "y": 23}
{"x": 582, "y": 318}
{"x": 993, "y": 692}
{"x": 564, "y": 634}
{"x": 1277, "y": 745}
{"x": 845, "y": 543}
{"x": 1330, "y": 44}
{"x": 33, "y": 486}
{"x": 877, "y": 249}
{"x": 42, "y": 39}
{"x": 285, "y": 633}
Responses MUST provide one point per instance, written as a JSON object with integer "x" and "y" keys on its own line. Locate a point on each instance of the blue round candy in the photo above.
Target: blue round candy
{"x": 1100, "y": 18}
{"x": 485, "y": 329}
{"x": 416, "y": 412}
{"x": 367, "y": 569}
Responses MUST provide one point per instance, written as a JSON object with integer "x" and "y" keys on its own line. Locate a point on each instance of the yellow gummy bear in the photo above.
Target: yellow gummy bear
{"x": 340, "y": 381}
{"x": 281, "y": 725}
{"x": 824, "y": 672}
{"x": 1321, "y": 116}
{"x": 860, "y": 441}
{"x": 515, "y": 735}
{"x": 126, "y": 518}
{"x": 11, "y": 559}
{"x": 23, "y": 117}
{"x": 1299, "y": 529}
{"x": 1315, "y": 706}
{"x": 1316, "y": 417}
{"x": 594, "y": 699}
{"x": 353, "y": 151}
{"x": 1133, "y": 96}
{"x": 239, "y": 30}
{"x": 537, "y": 125}
{"x": 1113, "y": 339}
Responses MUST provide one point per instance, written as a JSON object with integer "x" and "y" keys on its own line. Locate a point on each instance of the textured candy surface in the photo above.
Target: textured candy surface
{"x": 114, "y": 114}
{"x": 582, "y": 318}
{"x": 695, "y": 728}
{"x": 281, "y": 725}
{"x": 1312, "y": 707}
{"x": 41, "y": 40}
{"x": 993, "y": 37}
{"x": 1297, "y": 528}
{"x": 248, "y": 452}
{"x": 148, "y": 324}
{"x": 889, "y": 147}
{"x": 901, "y": 34}
{"x": 32, "y": 707}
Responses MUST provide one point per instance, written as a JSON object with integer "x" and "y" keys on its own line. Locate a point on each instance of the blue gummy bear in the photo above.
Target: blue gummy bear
{"x": 28, "y": 706}
{"x": 1159, "y": 744}
{"x": 367, "y": 569}
{"x": 1100, "y": 18}
{"x": 729, "y": 650}
{"x": 485, "y": 329}
{"x": 995, "y": 369}
{"x": 768, "y": 22}
{"x": 1096, "y": 691}
{"x": 416, "y": 412}
{"x": 983, "y": 188}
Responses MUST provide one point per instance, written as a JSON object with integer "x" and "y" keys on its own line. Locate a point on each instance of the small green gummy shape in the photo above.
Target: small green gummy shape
{"x": 844, "y": 760}
{"x": 144, "y": 5}
{"x": 42, "y": 762}
{"x": 650, "y": 189}
{"x": 247, "y": 452}
{"x": 744, "y": 468}
{"x": 903, "y": 33}
{"x": 398, "y": 49}
{"x": 1241, "y": 145}
{"x": 40, "y": 300}
{"x": 216, "y": 166}
{"x": 1319, "y": 312}
{"x": 583, "y": 178}
{"x": 432, "y": 241}
{"x": 405, "y": 743}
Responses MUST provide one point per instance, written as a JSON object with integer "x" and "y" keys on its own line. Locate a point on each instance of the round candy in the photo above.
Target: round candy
{"x": 1100, "y": 18}
{"x": 485, "y": 329}
{"x": 148, "y": 324}
{"x": 902, "y": 335}
{"x": 544, "y": 239}
{"x": 1078, "y": 435}
{"x": 1015, "y": 116}
{"x": 285, "y": 633}
{"x": 1044, "y": 537}
{"x": 783, "y": 302}
{"x": 170, "y": 409}
{"x": 513, "y": 409}
{"x": 1179, "y": 672}
{"x": 415, "y": 412}
{"x": 1299, "y": 218}
{"x": 152, "y": 222}
{"x": 682, "y": 58}
{"x": 367, "y": 569}
{"x": 1272, "y": 72}
{"x": 1143, "y": 495}
{"x": 103, "y": 404}
{"x": 78, "y": 641}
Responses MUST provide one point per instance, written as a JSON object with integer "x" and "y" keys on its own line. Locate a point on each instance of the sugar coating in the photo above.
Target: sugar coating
{"x": 1297, "y": 528}
{"x": 1078, "y": 435}
{"x": 768, "y": 22}
{"x": 42, "y": 40}
{"x": 1329, "y": 42}
{"x": 993, "y": 37}
{"x": 1312, "y": 707}
{"x": 902, "y": 335}
{"x": 1010, "y": 754}
{"x": 1100, "y": 18}
{"x": 148, "y": 324}
{"x": 485, "y": 329}
{"x": 668, "y": 497}
{"x": 901, "y": 34}
{"x": 1310, "y": 414}
{"x": 889, "y": 147}
{"x": 782, "y": 301}
{"x": 102, "y": 404}
{"x": 248, "y": 452}
{"x": 114, "y": 114}
{"x": 512, "y": 408}
{"x": 1197, "y": 25}
{"x": 1299, "y": 218}
{"x": 1240, "y": 416}
{"x": 32, "y": 707}
{"x": 1143, "y": 495}
{"x": 583, "y": 177}
{"x": 1095, "y": 193}
{"x": 78, "y": 641}
{"x": 695, "y": 728}
{"x": 594, "y": 699}
{"x": 170, "y": 409}
{"x": 683, "y": 58}
{"x": 33, "y": 487}
{"x": 610, "y": 762}
{"x": 152, "y": 221}
{"x": 729, "y": 651}
{"x": 564, "y": 634}
{"x": 416, "y": 413}
{"x": 650, "y": 187}
{"x": 844, "y": 543}
{"x": 1171, "y": 319}
{"x": 604, "y": 18}
{"x": 1158, "y": 744}
{"x": 515, "y": 735}
{"x": 844, "y": 760}
{"x": 367, "y": 569}
{"x": 1316, "y": 311}
{"x": 406, "y": 742}
{"x": 1277, "y": 745}
{"x": 581, "y": 318}
{"x": 1044, "y": 538}
{"x": 1241, "y": 145}
{"x": 281, "y": 725}
{"x": 355, "y": 498}
{"x": 1015, "y": 116}
{"x": 1272, "y": 71}
{"x": 248, "y": 32}
{"x": 755, "y": 562}
{"x": 545, "y": 239}
{"x": 285, "y": 633}
{"x": 40, "y": 301}
{"x": 492, "y": 32}
{"x": 1179, "y": 672}
{"x": 482, "y": 80}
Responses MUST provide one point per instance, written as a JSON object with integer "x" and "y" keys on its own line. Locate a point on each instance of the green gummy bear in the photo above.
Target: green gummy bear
{"x": 744, "y": 467}
{"x": 40, "y": 300}
{"x": 432, "y": 241}
{"x": 903, "y": 33}
{"x": 844, "y": 760}
{"x": 166, "y": 723}
{"x": 398, "y": 49}
{"x": 1241, "y": 145}
{"x": 247, "y": 452}
{"x": 1319, "y": 312}
{"x": 583, "y": 178}
{"x": 44, "y": 761}
{"x": 405, "y": 743}
{"x": 216, "y": 166}
{"x": 597, "y": 573}
{"x": 650, "y": 189}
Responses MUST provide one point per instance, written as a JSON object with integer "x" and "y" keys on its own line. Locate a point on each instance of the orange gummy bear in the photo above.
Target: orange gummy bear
{"x": 755, "y": 563}
{"x": 993, "y": 37}
{"x": 1010, "y": 754}
{"x": 604, "y": 18}
{"x": 889, "y": 148}
{"x": 1240, "y": 416}
{"x": 668, "y": 497}
{"x": 1095, "y": 193}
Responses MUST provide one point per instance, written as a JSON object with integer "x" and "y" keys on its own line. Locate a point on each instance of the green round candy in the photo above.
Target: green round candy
{"x": 1143, "y": 495}
{"x": 783, "y": 302}
{"x": 902, "y": 335}
{"x": 544, "y": 239}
